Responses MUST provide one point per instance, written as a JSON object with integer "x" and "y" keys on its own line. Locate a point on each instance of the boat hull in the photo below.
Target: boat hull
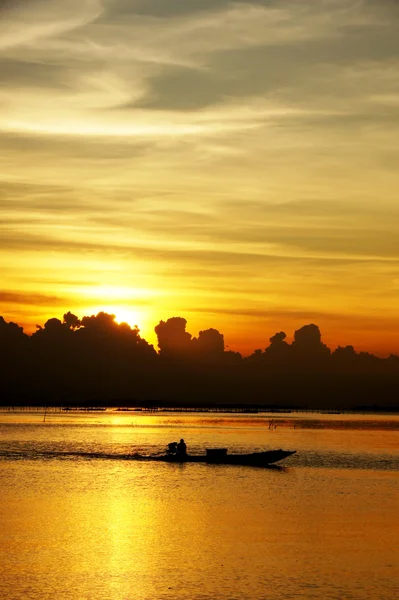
{"x": 255, "y": 459}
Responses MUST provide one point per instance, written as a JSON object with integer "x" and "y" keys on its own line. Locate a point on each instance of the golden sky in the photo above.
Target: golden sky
{"x": 233, "y": 163}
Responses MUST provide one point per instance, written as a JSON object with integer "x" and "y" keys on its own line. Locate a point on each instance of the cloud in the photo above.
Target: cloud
{"x": 279, "y": 315}
{"x": 31, "y": 299}
{"x": 28, "y": 74}
{"x": 205, "y": 147}
{"x": 166, "y": 9}
{"x": 122, "y": 72}
{"x": 28, "y": 21}
{"x": 250, "y": 246}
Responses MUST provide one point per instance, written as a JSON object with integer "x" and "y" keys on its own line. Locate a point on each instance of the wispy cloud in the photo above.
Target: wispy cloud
{"x": 30, "y": 299}
{"x": 26, "y": 22}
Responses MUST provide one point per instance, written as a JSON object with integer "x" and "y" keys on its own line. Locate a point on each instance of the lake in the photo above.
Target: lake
{"x": 79, "y": 522}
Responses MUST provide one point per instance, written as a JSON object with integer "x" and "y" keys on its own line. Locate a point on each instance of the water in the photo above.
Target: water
{"x": 80, "y": 522}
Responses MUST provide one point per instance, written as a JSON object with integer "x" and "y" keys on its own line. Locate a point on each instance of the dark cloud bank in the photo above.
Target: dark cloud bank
{"x": 95, "y": 361}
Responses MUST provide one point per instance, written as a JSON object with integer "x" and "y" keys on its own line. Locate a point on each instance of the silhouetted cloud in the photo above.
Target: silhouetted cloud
{"x": 77, "y": 361}
{"x": 172, "y": 336}
{"x": 210, "y": 343}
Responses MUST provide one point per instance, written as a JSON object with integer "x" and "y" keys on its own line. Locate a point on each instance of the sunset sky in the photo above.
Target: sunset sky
{"x": 233, "y": 163}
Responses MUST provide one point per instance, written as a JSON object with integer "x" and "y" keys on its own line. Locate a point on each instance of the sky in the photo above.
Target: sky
{"x": 233, "y": 163}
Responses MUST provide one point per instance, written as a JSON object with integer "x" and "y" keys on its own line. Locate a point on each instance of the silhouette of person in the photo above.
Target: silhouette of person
{"x": 172, "y": 448}
{"x": 181, "y": 448}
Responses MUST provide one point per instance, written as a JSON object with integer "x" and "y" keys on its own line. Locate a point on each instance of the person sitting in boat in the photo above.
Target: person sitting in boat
{"x": 181, "y": 449}
{"x": 172, "y": 448}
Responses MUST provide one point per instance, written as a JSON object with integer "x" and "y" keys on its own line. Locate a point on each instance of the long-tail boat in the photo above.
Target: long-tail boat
{"x": 220, "y": 456}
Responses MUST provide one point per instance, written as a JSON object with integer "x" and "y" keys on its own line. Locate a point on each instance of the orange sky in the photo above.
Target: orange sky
{"x": 234, "y": 163}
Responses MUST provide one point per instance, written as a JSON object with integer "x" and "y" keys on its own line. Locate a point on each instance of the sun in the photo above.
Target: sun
{"x": 127, "y": 315}
{"x": 133, "y": 316}
{"x": 123, "y": 314}
{"x": 129, "y": 305}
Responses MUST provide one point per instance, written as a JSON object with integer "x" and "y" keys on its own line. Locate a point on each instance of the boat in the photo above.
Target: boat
{"x": 220, "y": 456}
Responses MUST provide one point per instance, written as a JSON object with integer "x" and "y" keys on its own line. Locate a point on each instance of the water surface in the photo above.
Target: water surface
{"x": 80, "y": 521}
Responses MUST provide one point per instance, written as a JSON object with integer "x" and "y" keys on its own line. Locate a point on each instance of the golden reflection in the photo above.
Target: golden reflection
{"x": 120, "y": 529}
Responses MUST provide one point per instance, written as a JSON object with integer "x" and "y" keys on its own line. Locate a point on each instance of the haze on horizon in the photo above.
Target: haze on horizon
{"x": 234, "y": 163}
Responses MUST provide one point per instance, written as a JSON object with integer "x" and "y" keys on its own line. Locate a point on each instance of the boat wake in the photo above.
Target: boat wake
{"x": 254, "y": 460}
